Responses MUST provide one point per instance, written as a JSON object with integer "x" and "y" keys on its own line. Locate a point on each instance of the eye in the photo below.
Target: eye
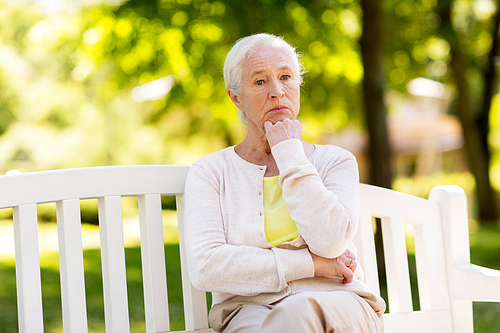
{"x": 285, "y": 77}
{"x": 259, "y": 82}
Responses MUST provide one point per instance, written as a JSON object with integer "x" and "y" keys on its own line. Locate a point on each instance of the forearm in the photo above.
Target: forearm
{"x": 324, "y": 207}
{"x": 247, "y": 271}
{"x": 216, "y": 265}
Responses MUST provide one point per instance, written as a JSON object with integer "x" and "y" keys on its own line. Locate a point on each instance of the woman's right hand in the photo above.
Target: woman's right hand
{"x": 344, "y": 265}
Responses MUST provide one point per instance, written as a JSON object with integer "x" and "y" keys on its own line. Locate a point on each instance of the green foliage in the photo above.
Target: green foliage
{"x": 66, "y": 78}
{"x": 73, "y": 107}
{"x": 415, "y": 46}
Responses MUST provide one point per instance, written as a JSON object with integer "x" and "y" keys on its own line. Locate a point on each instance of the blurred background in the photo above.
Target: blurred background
{"x": 105, "y": 82}
{"x": 410, "y": 87}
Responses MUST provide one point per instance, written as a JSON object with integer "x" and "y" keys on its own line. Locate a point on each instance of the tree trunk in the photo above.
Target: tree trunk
{"x": 489, "y": 80}
{"x": 379, "y": 151}
{"x": 475, "y": 128}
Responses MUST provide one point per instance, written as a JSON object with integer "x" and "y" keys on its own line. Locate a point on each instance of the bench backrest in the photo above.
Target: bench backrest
{"x": 106, "y": 184}
{"x": 440, "y": 237}
{"x": 148, "y": 183}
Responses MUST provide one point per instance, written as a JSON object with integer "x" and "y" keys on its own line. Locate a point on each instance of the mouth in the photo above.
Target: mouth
{"x": 279, "y": 108}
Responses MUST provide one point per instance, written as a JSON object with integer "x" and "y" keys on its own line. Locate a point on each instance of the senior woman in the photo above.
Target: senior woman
{"x": 269, "y": 222}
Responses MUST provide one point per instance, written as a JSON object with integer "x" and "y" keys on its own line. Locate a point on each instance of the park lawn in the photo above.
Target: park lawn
{"x": 485, "y": 250}
{"x": 93, "y": 282}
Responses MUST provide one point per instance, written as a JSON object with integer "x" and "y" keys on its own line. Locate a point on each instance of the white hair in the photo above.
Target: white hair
{"x": 242, "y": 50}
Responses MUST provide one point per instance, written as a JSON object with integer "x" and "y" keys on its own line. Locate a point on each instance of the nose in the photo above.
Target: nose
{"x": 276, "y": 89}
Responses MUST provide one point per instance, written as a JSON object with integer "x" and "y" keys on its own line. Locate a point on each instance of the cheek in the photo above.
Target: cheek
{"x": 259, "y": 96}
{"x": 258, "y": 90}
{"x": 251, "y": 97}
{"x": 294, "y": 94}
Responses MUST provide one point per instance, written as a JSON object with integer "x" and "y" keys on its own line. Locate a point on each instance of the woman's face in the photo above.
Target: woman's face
{"x": 270, "y": 88}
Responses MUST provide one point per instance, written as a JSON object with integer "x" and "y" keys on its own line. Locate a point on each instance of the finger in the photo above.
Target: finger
{"x": 353, "y": 266}
{"x": 348, "y": 261}
{"x": 350, "y": 264}
{"x": 343, "y": 270}
{"x": 268, "y": 125}
{"x": 349, "y": 254}
{"x": 348, "y": 276}
{"x": 292, "y": 125}
{"x": 297, "y": 123}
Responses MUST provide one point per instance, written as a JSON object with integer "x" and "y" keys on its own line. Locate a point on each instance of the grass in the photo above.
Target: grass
{"x": 485, "y": 250}
{"x": 93, "y": 280}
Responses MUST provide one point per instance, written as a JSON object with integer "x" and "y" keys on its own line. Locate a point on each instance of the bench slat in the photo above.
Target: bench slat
{"x": 396, "y": 261}
{"x": 382, "y": 202}
{"x": 195, "y": 301}
{"x": 71, "y": 266}
{"x": 430, "y": 260}
{"x": 455, "y": 226}
{"x": 153, "y": 264}
{"x": 113, "y": 265}
{"x": 92, "y": 182}
{"x": 29, "y": 288}
{"x": 419, "y": 322}
{"x": 365, "y": 244}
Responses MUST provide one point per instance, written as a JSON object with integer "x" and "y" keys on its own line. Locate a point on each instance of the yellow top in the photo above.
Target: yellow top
{"x": 279, "y": 226}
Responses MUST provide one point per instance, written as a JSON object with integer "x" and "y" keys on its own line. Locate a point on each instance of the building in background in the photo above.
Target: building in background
{"x": 424, "y": 138}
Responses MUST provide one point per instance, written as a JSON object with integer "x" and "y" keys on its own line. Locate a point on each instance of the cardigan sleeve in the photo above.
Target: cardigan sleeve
{"x": 216, "y": 266}
{"x": 324, "y": 207}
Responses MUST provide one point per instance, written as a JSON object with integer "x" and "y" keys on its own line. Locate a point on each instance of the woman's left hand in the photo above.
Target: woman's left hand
{"x": 282, "y": 131}
{"x": 344, "y": 265}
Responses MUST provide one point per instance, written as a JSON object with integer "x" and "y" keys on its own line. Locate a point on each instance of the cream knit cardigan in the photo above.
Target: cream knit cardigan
{"x": 227, "y": 251}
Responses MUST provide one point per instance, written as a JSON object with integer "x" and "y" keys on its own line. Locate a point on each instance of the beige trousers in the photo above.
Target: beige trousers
{"x": 309, "y": 312}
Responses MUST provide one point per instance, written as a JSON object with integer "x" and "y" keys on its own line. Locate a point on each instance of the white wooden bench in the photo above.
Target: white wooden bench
{"x": 447, "y": 282}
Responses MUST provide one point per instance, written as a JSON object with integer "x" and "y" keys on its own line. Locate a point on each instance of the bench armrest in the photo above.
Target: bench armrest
{"x": 476, "y": 283}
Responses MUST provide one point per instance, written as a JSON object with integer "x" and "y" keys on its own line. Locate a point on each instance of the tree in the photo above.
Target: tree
{"x": 379, "y": 150}
{"x": 475, "y": 121}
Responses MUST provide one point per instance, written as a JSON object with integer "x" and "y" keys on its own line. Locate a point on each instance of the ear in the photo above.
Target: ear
{"x": 235, "y": 99}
